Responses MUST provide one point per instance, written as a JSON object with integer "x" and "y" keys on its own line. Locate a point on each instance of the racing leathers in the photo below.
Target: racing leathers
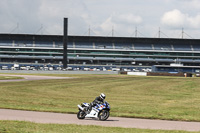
{"x": 98, "y": 100}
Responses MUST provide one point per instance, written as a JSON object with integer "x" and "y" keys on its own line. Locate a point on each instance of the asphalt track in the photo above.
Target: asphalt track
{"x": 59, "y": 118}
{"x": 30, "y": 77}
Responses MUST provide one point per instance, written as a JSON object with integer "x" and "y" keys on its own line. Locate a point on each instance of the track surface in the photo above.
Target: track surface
{"x": 58, "y": 118}
{"x": 30, "y": 77}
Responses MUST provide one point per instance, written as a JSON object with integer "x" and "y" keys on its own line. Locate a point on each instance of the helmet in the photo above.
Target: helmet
{"x": 102, "y": 96}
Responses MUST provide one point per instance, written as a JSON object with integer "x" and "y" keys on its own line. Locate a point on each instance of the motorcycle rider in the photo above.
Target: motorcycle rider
{"x": 98, "y": 100}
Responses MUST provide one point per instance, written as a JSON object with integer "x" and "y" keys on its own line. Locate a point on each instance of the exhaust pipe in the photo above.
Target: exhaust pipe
{"x": 80, "y": 107}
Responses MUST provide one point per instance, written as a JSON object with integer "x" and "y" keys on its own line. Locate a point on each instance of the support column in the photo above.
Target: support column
{"x": 65, "y": 41}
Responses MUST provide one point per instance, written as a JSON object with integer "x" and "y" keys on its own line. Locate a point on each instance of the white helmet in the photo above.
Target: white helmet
{"x": 102, "y": 96}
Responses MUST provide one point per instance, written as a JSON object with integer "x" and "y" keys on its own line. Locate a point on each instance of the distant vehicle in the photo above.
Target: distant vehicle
{"x": 51, "y": 68}
{"x": 59, "y": 68}
{"x": 86, "y": 69}
{"x": 136, "y": 70}
{"x": 94, "y": 69}
{"x": 127, "y": 70}
{"x": 98, "y": 69}
{"x": 146, "y": 70}
{"x": 69, "y": 68}
{"x": 4, "y": 67}
{"x": 104, "y": 69}
{"x": 46, "y": 68}
{"x": 32, "y": 68}
{"x": 28, "y": 67}
{"x": 41, "y": 68}
{"x": 22, "y": 68}
{"x": 115, "y": 69}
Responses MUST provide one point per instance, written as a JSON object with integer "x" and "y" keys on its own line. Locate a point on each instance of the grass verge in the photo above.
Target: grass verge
{"x": 28, "y": 127}
{"x": 169, "y": 98}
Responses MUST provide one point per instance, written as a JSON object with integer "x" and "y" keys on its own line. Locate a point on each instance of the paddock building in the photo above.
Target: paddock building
{"x": 98, "y": 52}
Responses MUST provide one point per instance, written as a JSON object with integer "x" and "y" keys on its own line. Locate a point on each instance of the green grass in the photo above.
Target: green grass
{"x": 28, "y": 127}
{"x": 169, "y": 98}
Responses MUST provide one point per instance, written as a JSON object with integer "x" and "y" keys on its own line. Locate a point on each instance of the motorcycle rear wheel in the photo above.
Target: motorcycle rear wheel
{"x": 103, "y": 115}
{"x": 81, "y": 114}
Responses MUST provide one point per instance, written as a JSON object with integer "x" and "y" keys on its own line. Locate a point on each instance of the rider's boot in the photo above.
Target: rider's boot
{"x": 86, "y": 110}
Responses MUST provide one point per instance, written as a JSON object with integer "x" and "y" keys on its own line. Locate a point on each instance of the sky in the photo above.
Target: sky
{"x": 120, "y": 18}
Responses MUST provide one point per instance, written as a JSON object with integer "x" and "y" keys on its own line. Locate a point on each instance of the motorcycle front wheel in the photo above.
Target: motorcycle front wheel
{"x": 81, "y": 114}
{"x": 103, "y": 115}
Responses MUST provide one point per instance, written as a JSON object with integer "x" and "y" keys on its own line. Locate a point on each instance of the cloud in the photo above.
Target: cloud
{"x": 173, "y": 19}
{"x": 177, "y": 19}
{"x": 52, "y": 14}
{"x": 30, "y": 15}
{"x": 193, "y": 4}
{"x": 130, "y": 19}
{"x": 101, "y": 16}
{"x": 121, "y": 23}
{"x": 194, "y": 21}
{"x": 23, "y": 13}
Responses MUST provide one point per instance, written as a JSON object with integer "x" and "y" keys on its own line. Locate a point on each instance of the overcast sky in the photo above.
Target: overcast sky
{"x": 102, "y": 17}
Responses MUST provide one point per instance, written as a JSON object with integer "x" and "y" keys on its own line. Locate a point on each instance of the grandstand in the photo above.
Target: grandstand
{"x": 99, "y": 53}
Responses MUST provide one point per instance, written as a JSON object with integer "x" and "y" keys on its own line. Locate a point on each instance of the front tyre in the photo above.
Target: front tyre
{"x": 81, "y": 114}
{"x": 103, "y": 115}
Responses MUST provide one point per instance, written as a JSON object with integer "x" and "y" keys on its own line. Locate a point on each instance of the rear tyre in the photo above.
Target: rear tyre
{"x": 103, "y": 115}
{"x": 81, "y": 114}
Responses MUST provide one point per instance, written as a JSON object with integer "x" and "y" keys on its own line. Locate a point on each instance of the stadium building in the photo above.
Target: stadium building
{"x": 22, "y": 51}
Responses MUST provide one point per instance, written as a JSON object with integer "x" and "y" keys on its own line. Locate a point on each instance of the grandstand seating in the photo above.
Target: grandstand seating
{"x": 103, "y": 45}
{"x": 6, "y": 43}
{"x": 196, "y": 47}
{"x": 182, "y": 47}
{"x": 123, "y": 46}
{"x": 69, "y": 45}
{"x": 85, "y": 45}
{"x": 24, "y": 43}
{"x": 43, "y": 44}
{"x": 60, "y": 44}
{"x": 165, "y": 47}
{"x": 143, "y": 46}
{"x": 108, "y": 52}
{"x": 98, "y": 45}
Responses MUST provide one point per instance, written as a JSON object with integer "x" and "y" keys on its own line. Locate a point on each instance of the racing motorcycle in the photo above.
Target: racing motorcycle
{"x": 100, "y": 111}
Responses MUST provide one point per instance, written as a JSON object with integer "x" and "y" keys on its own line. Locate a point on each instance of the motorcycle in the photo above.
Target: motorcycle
{"x": 100, "y": 111}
